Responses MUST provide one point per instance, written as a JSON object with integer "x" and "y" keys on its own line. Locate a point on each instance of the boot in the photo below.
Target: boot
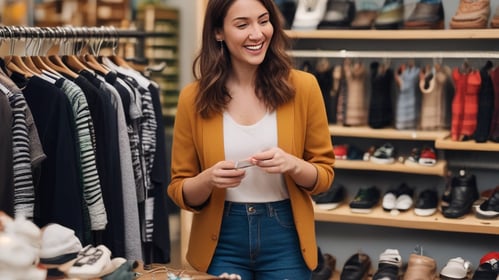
{"x": 420, "y": 267}
{"x": 463, "y": 193}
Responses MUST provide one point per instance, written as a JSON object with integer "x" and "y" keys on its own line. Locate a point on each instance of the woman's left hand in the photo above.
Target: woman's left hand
{"x": 275, "y": 160}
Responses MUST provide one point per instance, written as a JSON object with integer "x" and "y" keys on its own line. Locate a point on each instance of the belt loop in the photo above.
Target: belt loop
{"x": 228, "y": 206}
{"x": 270, "y": 209}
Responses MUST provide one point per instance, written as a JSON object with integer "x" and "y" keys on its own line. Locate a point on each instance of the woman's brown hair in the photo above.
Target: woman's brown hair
{"x": 212, "y": 65}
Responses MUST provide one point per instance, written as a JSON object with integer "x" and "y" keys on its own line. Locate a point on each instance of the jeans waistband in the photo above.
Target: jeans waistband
{"x": 263, "y": 208}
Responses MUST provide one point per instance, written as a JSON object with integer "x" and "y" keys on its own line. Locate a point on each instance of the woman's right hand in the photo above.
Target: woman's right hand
{"x": 224, "y": 175}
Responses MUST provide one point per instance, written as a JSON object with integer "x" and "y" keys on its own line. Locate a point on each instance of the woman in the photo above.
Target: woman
{"x": 249, "y": 107}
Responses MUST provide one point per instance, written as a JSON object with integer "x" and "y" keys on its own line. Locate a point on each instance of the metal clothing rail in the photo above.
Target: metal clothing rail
{"x": 70, "y": 32}
{"x": 391, "y": 54}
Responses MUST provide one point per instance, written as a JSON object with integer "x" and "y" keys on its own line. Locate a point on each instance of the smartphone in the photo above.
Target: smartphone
{"x": 243, "y": 164}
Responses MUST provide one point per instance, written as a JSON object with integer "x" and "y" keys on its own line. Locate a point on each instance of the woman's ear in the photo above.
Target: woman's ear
{"x": 219, "y": 35}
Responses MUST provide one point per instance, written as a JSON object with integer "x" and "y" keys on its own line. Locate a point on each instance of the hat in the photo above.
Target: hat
{"x": 59, "y": 244}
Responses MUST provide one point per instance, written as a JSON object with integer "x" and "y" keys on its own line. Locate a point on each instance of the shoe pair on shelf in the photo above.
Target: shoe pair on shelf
{"x": 325, "y": 267}
{"x": 365, "y": 200}
{"x": 400, "y": 198}
{"x": 424, "y": 157}
{"x": 330, "y": 199}
{"x": 471, "y": 14}
{"x": 356, "y": 267}
{"x": 456, "y": 268}
{"x": 389, "y": 265}
{"x": 458, "y": 201}
{"x": 489, "y": 207}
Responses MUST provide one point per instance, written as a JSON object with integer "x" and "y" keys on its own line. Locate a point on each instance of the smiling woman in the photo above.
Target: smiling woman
{"x": 255, "y": 222}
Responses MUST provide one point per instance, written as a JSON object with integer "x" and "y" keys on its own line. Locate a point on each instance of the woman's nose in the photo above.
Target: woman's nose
{"x": 255, "y": 33}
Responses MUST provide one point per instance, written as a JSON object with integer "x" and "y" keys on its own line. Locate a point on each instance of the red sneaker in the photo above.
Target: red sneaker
{"x": 427, "y": 157}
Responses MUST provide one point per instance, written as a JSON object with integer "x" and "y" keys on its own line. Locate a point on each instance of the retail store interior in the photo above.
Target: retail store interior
{"x": 160, "y": 40}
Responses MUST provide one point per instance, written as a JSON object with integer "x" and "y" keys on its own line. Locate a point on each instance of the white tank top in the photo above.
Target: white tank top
{"x": 241, "y": 142}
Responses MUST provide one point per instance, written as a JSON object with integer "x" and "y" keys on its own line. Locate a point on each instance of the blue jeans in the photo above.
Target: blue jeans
{"x": 258, "y": 241}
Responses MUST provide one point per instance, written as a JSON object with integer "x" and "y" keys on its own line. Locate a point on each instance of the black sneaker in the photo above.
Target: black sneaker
{"x": 464, "y": 192}
{"x": 356, "y": 267}
{"x": 489, "y": 209}
{"x": 331, "y": 199}
{"x": 365, "y": 200}
{"x": 384, "y": 154}
{"x": 427, "y": 203}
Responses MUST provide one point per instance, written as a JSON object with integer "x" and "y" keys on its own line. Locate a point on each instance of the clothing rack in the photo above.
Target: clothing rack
{"x": 70, "y": 32}
{"x": 391, "y": 54}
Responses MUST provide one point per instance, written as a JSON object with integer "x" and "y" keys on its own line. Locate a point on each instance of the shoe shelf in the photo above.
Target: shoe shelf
{"x": 471, "y": 145}
{"x": 394, "y": 34}
{"x": 439, "y": 169}
{"x": 386, "y": 133}
{"x": 437, "y": 222}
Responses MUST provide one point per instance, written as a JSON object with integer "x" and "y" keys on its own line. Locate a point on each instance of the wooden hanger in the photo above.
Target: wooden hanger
{"x": 55, "y": 62}
{"x": 94, "y": 64}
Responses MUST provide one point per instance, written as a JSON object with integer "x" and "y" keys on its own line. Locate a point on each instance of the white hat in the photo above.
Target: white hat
{"x": 59, "y": 244}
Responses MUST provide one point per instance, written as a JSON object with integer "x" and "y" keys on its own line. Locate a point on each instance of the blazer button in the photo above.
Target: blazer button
{"x": 214, "y": 237}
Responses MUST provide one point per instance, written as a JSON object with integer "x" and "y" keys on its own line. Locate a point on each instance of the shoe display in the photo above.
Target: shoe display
{"x": 389, "y": 200}
{"x": 309, "y": 14}
{"x": 331, "y": 199}
{"x": 456, "y": 268}
{"x": 494, "y": 22}
{"x": 384, "y": 154}
{"x": 356, "y": 267}
{"x": 489, "y": 209}
{"x": 354, "y": 153}
{"x": 413, "y": 158}
{"x": 365, "y": 16}
{"x": 325, "y": 267}
{"x": 340, "y": 151}
{"x": 485, "y": 271}
{"x": 365, "y": 200}
{"x": 426, "y": 203}
{"x": 426, "y": 15}
{"x": 463, "y": 193}
{"x": 471, "y": 14}
{"x": 428, "y": 157}
{"x": 339, "y": 14}
{"x": 391, "y": 15}
{"x": 389, "y": 265}
{"x": 288, "y": 11}
{"x": 420, "y": 267}
{"x": 404, "y": 199}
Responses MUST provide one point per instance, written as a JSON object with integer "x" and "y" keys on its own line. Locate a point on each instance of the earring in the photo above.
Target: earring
{"x": 221, "y": 46}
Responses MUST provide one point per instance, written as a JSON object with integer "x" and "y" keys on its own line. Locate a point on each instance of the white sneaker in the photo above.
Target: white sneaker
{"x": 391, "y": 256}
{"x": 456, "y": 268}
{"x": 308, "y": 14}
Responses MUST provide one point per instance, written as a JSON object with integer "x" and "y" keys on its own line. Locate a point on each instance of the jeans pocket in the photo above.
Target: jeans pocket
{"x": 284, "y": 218}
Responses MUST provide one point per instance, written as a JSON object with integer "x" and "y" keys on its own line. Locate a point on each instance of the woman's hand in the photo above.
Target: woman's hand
{"x": 276, "y": 160}
{"x": 224, "y": 175}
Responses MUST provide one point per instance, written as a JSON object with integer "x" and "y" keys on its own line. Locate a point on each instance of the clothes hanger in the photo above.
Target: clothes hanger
{"x": 54, "y": 61}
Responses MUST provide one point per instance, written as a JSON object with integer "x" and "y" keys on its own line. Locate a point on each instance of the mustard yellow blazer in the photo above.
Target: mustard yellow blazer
{"x": 198, "y": 144}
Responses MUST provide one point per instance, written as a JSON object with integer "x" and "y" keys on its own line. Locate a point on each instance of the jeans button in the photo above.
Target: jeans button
{"x": 251, "y": 209}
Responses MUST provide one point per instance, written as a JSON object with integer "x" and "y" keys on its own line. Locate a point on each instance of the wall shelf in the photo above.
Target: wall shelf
{"x": 440, "y": 169}
{"x": 386, "y": 133}
{"x": 471, "y": 145}
{"x": 379, "y": 217}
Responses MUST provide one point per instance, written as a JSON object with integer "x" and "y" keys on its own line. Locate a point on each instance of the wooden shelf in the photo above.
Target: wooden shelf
{"x": 440, "y": 169}
{"x": 471, "y": 145}
{"x": 394, "y": 34}
{"x": 386, "y": 133}
{"x": 378, "y": 217}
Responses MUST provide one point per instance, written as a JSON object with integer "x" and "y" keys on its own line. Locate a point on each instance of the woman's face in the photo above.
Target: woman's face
{"x": 247, "y": 32}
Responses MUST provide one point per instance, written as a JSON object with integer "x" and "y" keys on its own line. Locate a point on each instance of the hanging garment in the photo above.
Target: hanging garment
{"x": 108, "y": 160}
{"x": 465, "y": 104}
{"x": 59, "y": 194}
{"x": 92, "y": 192}
{"x": 27, "y": 150}
{"x": 324, "y": 75}
{"x": 406, "y": 116}
{"x": 494, "y": 125}
{"x": 340, "y": 90}
{"x": 485, "y": 105}
{"x": 356, "y": 106}
{"x": 381, "y": 103}
{"x": 6, "y": 160}
{"x": 436, "y": 89}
